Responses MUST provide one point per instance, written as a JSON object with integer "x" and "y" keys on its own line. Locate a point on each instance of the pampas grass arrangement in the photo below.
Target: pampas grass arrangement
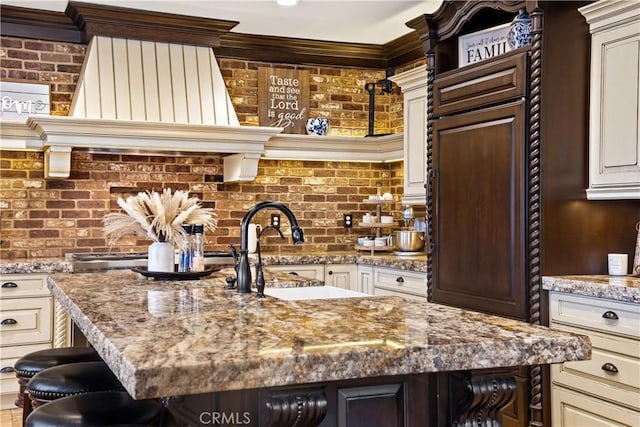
{"x": 158, "y": 216}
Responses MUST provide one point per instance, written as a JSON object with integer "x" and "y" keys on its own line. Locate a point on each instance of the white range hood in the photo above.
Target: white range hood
{"x": 149, "y": 97}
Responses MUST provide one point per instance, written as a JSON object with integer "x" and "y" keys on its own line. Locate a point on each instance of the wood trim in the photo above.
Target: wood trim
{"x": 121, "y": 22}
{"x": 41, "y": 25}
{"x": 82, "y": 21}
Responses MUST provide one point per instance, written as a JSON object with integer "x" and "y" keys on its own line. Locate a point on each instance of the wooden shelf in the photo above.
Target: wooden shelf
{"x": 377, "y": 224}
{"x": 378, "y": 202}
{"x": 374, "y": 248}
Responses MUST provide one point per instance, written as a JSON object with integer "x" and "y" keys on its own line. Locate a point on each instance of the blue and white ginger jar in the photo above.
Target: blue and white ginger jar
{"x": 520, "y": 31}
{"x": 317, "y": 126}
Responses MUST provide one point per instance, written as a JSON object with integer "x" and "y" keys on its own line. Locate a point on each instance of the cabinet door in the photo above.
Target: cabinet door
{"x": 380, "y": 405}
{"x": 341, "y": 276}
{"x": 365, "y": 279}
{"x": 614, "y": 155}
{"x": 574, "y": 409}
{"x": 479, "y": 214}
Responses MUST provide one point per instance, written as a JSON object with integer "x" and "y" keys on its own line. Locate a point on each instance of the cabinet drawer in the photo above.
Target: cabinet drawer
{"x": 311, "y": 271}
{"x": 23, "y": 285}
{"x": 389, "y": 293}
{"x": 609, "y": 353}
{"x": 608, "y": 316}
{"x": 27, "y": 320}
{"x": 574, "y": 409}
{"x": 8, "y": 381}
{"x": 480, "y": 85}
{"x": 407, "y": 282}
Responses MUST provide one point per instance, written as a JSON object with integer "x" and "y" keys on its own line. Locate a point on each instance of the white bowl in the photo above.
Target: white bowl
{"x": 368, "y": 242}
{"x": 386, "y": 219}
{"x": 381, "y": 241}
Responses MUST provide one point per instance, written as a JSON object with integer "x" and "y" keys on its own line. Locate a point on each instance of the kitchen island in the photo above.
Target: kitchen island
{"x": 206, "y": 350}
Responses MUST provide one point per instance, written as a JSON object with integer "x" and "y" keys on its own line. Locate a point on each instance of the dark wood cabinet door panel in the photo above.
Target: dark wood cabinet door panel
{"x": 381, "y": 405}
{"x": 482, "y": 84}
{"x": 479, "y": 216}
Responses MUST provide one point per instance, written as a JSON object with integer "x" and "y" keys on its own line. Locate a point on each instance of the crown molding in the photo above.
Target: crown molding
{"x": 82, "y": 21}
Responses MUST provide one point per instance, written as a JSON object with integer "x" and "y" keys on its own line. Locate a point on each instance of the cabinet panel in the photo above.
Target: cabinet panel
{"x": 574, "y": 409}
{"x": 479, "y": 213}
{"x": 485, "y": 84}
{"x": 614, "y": 130}
{"x": 341, "y": 276}
{"x": 405, "y": 283}
{"x": 311, "y": 271}
{"x": 17, "y": 286}
{"x": 26, "y": 320}
{"x": 608, "y": 316}
{"x": 369, "y": 406}
{"x": 365, "y": 279}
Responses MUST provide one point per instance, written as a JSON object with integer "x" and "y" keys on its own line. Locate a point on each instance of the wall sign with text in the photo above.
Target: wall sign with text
{"x": 483, "y": 44}
{"x": 20, "y": 100}
{"x": 283, "y": 98}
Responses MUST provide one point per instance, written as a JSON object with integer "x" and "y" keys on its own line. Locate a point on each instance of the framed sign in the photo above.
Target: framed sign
{"x": 483, "y": 44}
{"x": 20, "y": 100}
{"x": 283, "y": 98}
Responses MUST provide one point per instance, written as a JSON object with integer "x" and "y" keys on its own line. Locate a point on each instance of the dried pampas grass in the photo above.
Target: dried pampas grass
{"x": 158, "y": 216}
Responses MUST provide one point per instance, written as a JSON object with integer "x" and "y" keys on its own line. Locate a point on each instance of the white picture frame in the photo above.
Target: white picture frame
{"x": 482, "y": 45}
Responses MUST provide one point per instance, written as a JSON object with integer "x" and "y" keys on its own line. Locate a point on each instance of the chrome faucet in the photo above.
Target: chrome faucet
{"x": 243, "y": 270}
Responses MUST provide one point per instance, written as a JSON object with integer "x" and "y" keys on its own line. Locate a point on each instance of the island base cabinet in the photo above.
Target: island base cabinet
{"x": 575, "y": 409}
{"x": 402, "y": 401}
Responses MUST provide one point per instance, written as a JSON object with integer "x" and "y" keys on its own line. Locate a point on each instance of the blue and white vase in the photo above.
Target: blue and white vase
{"x": 318, "y": 126}
{"x": 520, "y": 31}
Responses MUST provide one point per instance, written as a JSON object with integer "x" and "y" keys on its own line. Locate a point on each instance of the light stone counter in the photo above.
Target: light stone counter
{"x": 619, "y": 288}
{"x": 411, "y": 263}
{"x": 181, "y": 338}
{"x": 34, "y": 265}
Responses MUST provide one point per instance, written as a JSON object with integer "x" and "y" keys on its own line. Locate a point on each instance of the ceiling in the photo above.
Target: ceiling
{"x": 353, "y": 21}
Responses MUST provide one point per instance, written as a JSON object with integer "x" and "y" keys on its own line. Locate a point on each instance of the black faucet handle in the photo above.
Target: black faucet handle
{"x": 231, "y": 282}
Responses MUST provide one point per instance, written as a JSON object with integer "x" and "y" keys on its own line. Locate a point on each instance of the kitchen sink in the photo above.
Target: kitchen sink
{"x": 312, "y": 292}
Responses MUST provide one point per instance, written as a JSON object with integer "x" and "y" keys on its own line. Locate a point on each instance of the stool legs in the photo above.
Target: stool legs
{"x": 26, "y": 406}
{"x": 22, "y": 383}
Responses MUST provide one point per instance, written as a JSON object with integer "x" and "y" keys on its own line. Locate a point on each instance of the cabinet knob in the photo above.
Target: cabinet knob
{"x": 609, "y": 367}
{"x": 330, "y": 272}
{"x": 7, "y": 285}
{"x": 610, "y": 315}
{"x": 400, "y": 280}
{"x": 7, "y": 370}
{"x": 9, "y": 322}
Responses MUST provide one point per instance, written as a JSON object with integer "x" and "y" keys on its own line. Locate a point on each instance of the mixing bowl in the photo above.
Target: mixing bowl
{"x": 408, "y": 240}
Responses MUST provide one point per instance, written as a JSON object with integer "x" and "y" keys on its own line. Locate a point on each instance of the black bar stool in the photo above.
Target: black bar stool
{"x": 31, "y": 364}
{"x": 102, "y": 408}
{"x": 71, "y": 379}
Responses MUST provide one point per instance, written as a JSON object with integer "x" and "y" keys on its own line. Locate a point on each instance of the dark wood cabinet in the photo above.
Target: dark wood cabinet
{"x": 535, "y": 219}
{"x": 478, "y": 220}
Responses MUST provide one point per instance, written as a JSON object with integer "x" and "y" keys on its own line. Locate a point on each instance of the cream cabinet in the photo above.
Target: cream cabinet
{"x": 310, "y": 271}
{"x": 29, "y": 321}
{"x": 386, "y": 281}
{"x": 614, "y": 131}
{"x": 365, "y": 279}
{"x": 414, "y": 87}
{"x": 341, "y": 276}
{"x": 603, "y": 391}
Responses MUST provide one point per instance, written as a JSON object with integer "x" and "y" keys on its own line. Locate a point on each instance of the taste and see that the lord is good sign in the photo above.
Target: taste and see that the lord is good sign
{"x": 283, "y": 98}
{"x": 483, "y": 45}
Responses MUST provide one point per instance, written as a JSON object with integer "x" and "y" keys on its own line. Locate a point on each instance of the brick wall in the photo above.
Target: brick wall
{"x": 47, "y": 218}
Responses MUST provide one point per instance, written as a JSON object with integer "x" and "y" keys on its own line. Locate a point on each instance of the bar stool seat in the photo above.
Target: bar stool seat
{"x": 102, "y": 408}
{"x": 70, "y": 379}
{"x": 30, "y": 364}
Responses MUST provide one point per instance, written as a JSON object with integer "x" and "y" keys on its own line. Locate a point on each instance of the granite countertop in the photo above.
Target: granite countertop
{"x": 179, "y": 338}
{"x": 413, "y": 263}
{"x": 619, "y": 288}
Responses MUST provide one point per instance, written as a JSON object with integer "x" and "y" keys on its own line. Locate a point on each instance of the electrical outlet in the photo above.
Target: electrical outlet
{"x": 275, "y": 220}
{"x": 347, "y": 220}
